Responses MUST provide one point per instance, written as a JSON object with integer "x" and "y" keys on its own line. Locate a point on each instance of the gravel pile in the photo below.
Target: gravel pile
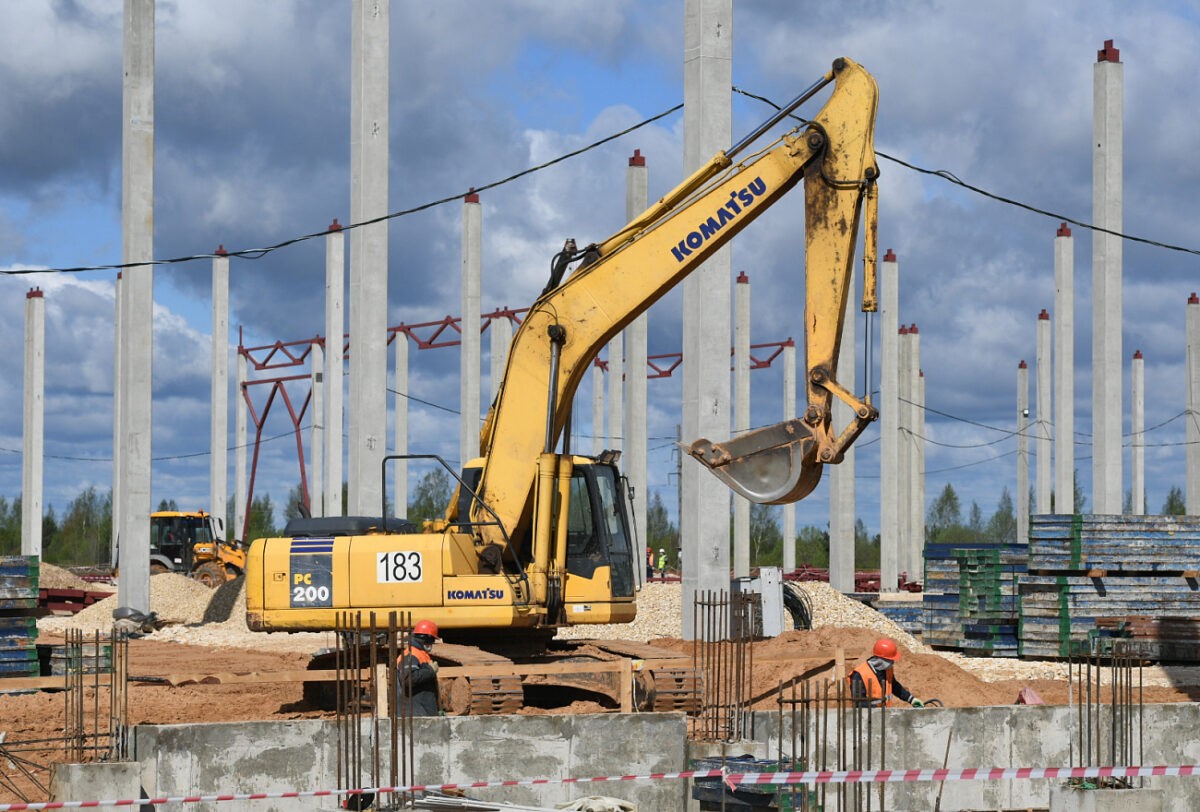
{"x": 52, "y": 577}
{"x": 659, "y": 615}
{"x": 175, "y": 598}
{"x": 831, "y": 608}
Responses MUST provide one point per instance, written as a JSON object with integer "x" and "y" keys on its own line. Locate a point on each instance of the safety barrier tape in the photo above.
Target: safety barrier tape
{"x": 731, "y": 778}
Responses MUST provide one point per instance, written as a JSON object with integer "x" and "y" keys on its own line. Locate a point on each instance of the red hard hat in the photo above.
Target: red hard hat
{"x": 886, "y": 649}
{"x": 430, "y": 628}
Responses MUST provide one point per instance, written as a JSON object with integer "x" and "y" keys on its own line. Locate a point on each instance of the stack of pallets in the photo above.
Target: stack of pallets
{"x": 18, "y": 617}
{"x": 1106, "y": 575}
{"x": 970, "y": 597}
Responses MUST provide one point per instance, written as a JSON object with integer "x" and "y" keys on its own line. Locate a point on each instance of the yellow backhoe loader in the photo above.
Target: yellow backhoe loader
{"x": 192, "y": 543}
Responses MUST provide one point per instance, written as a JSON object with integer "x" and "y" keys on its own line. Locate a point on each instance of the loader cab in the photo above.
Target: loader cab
{"x": 173, "y": 535}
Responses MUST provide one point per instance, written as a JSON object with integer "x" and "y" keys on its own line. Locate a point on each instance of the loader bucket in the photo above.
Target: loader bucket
{"x": 775, "y": 465}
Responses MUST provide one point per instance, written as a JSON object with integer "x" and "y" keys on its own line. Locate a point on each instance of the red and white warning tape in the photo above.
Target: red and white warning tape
{"x": 730, "y": 778}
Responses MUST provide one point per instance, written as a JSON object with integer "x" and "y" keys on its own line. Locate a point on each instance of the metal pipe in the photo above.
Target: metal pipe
{"x": 783, "y": 113}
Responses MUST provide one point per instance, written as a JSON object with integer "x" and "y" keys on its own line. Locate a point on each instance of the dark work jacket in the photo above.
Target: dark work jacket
{"x": 875, "y": 682}
{"x": 417, "y": 680}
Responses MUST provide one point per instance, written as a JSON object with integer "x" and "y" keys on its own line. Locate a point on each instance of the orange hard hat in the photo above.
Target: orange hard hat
{"x": 886, "y": 649}
{"x": 427, "y": 627}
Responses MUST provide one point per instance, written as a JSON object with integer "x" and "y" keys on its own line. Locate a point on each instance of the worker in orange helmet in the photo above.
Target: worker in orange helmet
{"x": 418, "y": 672}
{"x": 873, "y": 683}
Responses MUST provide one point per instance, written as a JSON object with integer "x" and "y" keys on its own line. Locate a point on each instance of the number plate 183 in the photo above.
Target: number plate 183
{"x": 399, "y": 568}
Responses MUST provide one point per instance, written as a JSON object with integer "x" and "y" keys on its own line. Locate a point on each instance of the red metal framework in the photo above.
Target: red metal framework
{"x": 445, "y": 332}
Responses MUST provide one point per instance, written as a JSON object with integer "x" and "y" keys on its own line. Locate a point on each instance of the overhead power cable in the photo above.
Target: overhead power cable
{"x": 258, "y": 253}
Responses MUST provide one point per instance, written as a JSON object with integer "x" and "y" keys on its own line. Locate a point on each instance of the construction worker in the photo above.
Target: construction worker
{"x": 662, "y": 562}
{"x": 418, "y": 671}
{"x": 873, "y": 684}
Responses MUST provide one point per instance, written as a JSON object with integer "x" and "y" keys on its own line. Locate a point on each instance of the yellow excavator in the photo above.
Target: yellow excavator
{"x": 537, "y": 537}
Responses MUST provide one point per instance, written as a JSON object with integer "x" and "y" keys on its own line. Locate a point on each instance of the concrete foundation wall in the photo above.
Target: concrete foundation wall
{"x": 302, "y": 755}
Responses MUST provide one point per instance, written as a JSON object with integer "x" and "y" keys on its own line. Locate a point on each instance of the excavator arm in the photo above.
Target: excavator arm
{"x": 623, "y": 276}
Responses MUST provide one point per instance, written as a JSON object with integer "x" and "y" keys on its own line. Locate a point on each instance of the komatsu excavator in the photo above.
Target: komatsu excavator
{"x": 535, "y": 537}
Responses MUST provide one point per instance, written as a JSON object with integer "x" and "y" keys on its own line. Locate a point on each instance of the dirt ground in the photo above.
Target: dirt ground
{"x": 33, "y": 724}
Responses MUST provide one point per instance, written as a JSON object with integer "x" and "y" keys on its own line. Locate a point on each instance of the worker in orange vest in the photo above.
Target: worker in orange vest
{"x": 418, "y": 671}
{"x": 873, "y": 683}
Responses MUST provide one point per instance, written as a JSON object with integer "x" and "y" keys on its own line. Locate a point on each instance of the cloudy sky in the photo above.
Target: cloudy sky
{"x": 252, "y": 140}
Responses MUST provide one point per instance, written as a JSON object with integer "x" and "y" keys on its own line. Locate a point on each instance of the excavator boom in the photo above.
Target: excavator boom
{"x": 568, "y": 325}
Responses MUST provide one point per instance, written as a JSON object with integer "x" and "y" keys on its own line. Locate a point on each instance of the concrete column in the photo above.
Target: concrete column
{"x": 841, "y": 477}
{"x": 903, "y": 465}
{"x": 369, "y": 44}
{"x": 920, "y": 475}
{"x": 137, "y": 335}
{"x": 616, "y": 397}
{"x": 1193, "y": 406}
{"x": 707, "y": 128}
{"x": 741, "y": 417}
{"x": 1041, "y": 430}
{"x": 635, "y": 453}
{"x": 889, "y": 419}
{"x": 501, "y": 334}
{"x": 316, "y": 446}
{"x": 398, "y": 470}
{"x": 1064, "y": 369}
{"x": 1108, "y": 92}
{"x": 597, "y": 408}
{"x": 1022, "y": 497}
{"x": 1137, "y": 442}
{"x": 33, "y": 427}
{"x": 469, "y": 358}
{"x": 789, "y": 510}
{"x": 335, "y": 353}
{"x": 218, "y": 476}
{"x": 916, "y": 496}
{"x": 241, "y": 507}
{"x": 116, "y": 468}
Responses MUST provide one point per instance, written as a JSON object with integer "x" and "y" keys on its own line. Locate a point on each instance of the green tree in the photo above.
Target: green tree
{"x": 812, "y": 546}
{"x": 85, "y": 529}
{"x": 1175, "y": 504}
{"x": 10, "y": 526}
{"x": 766, "y": 540}
{"x": 660, "y": 533}
{"x": 261, "y": 518}
{"x": 167, "y": 504}
{"x": 866, "y": 547}
{"x": 295, "y": 499}
{"x": 431, "y": 496}
{"x": 1002, "y": 527}
{"x": 975, "y": 522}
{"x": 945, "y": 515}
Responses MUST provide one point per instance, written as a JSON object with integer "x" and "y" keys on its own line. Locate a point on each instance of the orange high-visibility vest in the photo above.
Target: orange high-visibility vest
{"x": 875, "y": 691}
{"x": 423, "y": 656}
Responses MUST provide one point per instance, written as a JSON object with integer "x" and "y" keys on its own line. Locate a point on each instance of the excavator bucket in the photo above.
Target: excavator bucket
{"x": 775, "y": 465}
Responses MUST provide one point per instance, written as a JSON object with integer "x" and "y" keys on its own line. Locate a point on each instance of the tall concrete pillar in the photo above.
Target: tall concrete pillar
{"x": 1041, "y": 431}
{"x": 741, "y": 416}
{"x": 501, "y": 337}
{"x": 889, "y": 419}
{"x": 137, "y": 335}
{"x": 468, "y": 374}
{"x": 919, "y": 481}
{"x": 635, "y": 452}
{"x": 33, "y": 427}
{"x": 1108, "y": 93}
{"x": 369, "y": 44}
{"x": 916, "y": 504}
{"x": 1022, "y": 498}
{"x": 118, "y": 295}
{"x": 597, "y": 408}
{"x": 218, "y": 471}
{"x": 335, "y": 354}
{"x": 241, "y": 491}
{"x": 1064, "y": 370}
{"x": 707, "y": 128}
{"x": 616, "y": 395}
{"x": 398, "y": 470}
{"x": 316, "y": 445}
{"x": 841, "y": 477}
{"x": 904, "y": 455}
{"x": 1137, "y": 443}
{"x": 1193, "y": 406}
{"x": 789, "y": 510}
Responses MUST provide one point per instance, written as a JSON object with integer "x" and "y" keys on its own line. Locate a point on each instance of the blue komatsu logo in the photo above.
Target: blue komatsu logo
{"x": 739, "y": 201}
{"x": 474, "y": 594}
